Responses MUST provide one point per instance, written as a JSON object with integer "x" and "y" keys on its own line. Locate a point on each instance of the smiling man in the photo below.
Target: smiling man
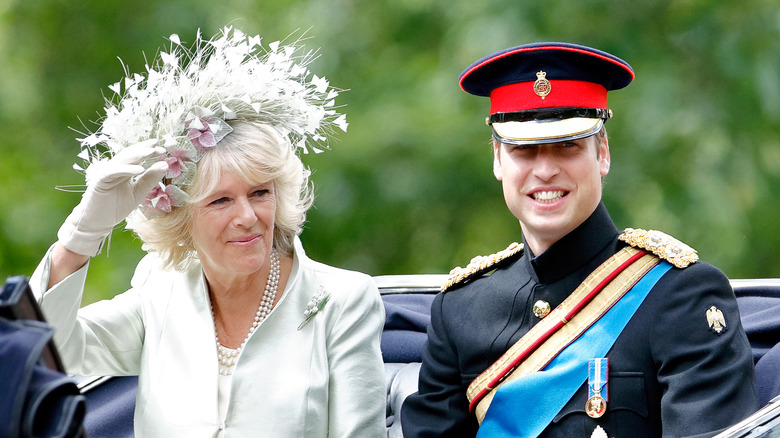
{"x": 582, "y": 330}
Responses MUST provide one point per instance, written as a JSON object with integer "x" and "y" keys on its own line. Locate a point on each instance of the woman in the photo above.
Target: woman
{"x": 231, "y": 329}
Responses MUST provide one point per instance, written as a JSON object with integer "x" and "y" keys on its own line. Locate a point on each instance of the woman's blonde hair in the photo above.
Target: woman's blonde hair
{"x": 254, "y": 152}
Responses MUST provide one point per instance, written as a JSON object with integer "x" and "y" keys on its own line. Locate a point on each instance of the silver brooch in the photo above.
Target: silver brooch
{"x": 316, "y": 303}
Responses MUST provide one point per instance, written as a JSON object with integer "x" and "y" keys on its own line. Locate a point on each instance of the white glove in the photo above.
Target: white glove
{"x": 117, "y": 189}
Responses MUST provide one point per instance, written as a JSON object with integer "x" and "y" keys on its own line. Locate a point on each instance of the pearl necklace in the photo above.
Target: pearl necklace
{"x": 228, "y": 356}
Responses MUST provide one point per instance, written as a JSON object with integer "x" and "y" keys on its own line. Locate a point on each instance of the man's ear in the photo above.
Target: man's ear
{"x": 497, "y": 160}
{"x": 604, "y": 160}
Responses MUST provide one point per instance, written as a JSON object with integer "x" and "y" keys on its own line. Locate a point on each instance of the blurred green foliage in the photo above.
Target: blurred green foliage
{"x": 409, "y": 189}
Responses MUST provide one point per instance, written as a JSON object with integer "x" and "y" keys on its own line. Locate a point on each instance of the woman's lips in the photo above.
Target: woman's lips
{"x": 245, "y": 240}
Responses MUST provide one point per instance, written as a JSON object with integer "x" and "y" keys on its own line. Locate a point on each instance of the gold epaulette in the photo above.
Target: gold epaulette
{"x": 661, "y": 244}
{"x": 479, "y": 265}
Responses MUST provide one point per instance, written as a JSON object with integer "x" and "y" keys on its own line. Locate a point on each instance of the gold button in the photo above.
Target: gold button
{"x": 541, "y": 309}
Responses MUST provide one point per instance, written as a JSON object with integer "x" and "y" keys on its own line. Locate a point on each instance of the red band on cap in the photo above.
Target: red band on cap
{"x": 521, "y": 96}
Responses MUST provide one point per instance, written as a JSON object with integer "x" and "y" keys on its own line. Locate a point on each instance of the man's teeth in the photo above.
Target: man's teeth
{"x": 548, "y": 196}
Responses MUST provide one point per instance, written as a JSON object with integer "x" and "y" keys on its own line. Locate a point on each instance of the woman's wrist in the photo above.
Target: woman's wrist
{"x": 63, "y": 263}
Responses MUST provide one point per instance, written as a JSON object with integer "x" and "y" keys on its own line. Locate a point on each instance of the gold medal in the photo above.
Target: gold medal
{"x": 595, "y": 406}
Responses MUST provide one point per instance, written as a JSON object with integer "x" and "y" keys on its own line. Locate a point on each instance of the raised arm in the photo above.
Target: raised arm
{"x": 113, "y": 191}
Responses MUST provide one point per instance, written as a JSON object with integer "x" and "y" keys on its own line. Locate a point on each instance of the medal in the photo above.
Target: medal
{"x": 596, "y": 405}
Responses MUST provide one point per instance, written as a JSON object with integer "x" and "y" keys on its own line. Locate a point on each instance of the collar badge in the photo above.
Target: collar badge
{"x": 715, "y": 320}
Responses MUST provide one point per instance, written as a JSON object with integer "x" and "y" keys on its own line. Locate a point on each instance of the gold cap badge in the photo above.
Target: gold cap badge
{"x": 542, "y": 86}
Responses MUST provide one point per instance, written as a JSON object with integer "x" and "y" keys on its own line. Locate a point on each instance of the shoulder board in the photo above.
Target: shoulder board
{"x": 479, "y": 265}
{"x": 661, "y": 244}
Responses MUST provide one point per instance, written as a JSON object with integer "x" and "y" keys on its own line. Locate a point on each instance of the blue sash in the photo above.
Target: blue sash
{"x": 525, "y": 406}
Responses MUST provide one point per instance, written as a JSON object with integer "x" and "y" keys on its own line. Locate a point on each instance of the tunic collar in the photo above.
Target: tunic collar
{"x": 575, "y": 249}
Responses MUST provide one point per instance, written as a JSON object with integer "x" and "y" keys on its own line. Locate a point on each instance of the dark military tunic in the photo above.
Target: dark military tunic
{"x": 669, "y": 373}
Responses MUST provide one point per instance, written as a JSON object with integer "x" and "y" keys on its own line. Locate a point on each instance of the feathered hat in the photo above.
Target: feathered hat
{"x": 188, "y": 96}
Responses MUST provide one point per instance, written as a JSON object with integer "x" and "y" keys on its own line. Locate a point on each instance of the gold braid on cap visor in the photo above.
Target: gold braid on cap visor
{"x": 550, "y": 113}
{"x": 547, "y": 125}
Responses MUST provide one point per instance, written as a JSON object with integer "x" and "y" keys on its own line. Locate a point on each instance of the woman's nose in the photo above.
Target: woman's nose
{"x": 244, "y": 215}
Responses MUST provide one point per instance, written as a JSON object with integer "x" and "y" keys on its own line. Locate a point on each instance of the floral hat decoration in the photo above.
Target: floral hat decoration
{"x": 187, "y": 97}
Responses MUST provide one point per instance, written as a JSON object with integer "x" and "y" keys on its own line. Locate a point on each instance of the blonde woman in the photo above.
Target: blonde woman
{"x": 231, "y": 328}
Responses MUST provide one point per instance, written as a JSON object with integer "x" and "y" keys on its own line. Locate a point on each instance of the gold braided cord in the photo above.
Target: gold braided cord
{"x": 661, "y": 244}
{"x": 479, "y": 264}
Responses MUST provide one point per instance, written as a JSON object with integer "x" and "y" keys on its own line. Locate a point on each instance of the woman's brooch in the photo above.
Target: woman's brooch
{"x": 316, "y": 303}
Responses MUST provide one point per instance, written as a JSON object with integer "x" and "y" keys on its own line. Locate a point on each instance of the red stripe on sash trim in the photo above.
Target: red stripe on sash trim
{"x": 546, "y": 335}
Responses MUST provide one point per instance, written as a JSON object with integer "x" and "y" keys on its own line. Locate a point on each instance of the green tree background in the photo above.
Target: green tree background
{"x": 409, "y": 188}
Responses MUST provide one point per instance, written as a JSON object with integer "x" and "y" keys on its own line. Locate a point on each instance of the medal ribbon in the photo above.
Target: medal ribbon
{"x": 597, "y": 378}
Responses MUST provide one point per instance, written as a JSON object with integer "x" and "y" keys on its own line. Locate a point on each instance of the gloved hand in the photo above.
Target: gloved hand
{"x": 112, "y": 194}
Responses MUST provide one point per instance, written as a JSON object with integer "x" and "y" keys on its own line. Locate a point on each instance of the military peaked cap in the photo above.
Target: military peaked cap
{"x": 546, "y": 92}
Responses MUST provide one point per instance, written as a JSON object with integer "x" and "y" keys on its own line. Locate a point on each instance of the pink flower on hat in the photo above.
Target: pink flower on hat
{"x": 159, "y": 199}
{"x": 162, "y": 199}
{"x": 176, "y": 163}
{"x": 200, "y": 134}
